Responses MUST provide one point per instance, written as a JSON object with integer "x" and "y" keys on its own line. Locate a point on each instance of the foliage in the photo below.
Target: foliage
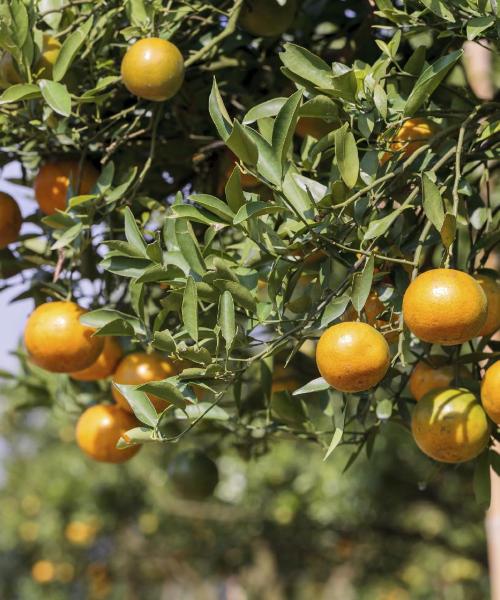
{"x": 174, "y": 251}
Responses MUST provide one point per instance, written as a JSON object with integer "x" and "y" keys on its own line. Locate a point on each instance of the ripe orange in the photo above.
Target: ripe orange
{"x": 98, "y": 430}
{"x": 352, "y": 356}
{"x": 53, "y": 181}
{"x": 139, "y": 367}
{"x": 153, "y": 69}
{"x": 227, "y": 163}
{"x": 488, "y": 280}
{"x": 43, "y": 571}
{"x": 57, "y": 341}
{"x": 444, "y": 306}
{"x": 371, "y": 310}
{"x": 313, "y": 127}
{"x": 490, "y": 392}
{"x": 412, "y": 135}
{"x": 267, "y": 18}
{"x": 193, "y": 474}
{"x": 431, "y": 374}
{"x": 450, "y": 425}
{"x": 105, "y": 364}
{"x": 10, "y": 220}
{"x": 9, "y": 73}
{"x": 80, "y": 533}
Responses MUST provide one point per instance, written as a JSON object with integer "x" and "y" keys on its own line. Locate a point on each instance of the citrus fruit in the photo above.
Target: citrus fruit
{"x": 444, "y": 306}
{"x": 57, "y": 341}
{"x": 488, "y": 280}
{"x": 98, "y": 430}
{"x": 105, "y": 364}
{"x": 139, "y": 367}
{"x": 284, "y": 406}
{"x": 153, "y": 69}
{"x": 490, "y": 392}
{"x": 193, "y": 474}
{"x": 433, "y": 373}
{"x": 267, "y": 18}
{"x": 227, "y": 164}
{"x": 371, "y": 310}
{"x": 10, "y": 220}
{"x": 313, "y": 127}
{"x": 352, "y": 356}
{"x": 449, "y": 425}
{"x": 9, "y": 73}
{"x": 43, "y": 571}
{"x": 412, "y": 135}
{"x": 53, "y": 181}
{"x": 285, "y": 379}
{"x": 80, "y": 533}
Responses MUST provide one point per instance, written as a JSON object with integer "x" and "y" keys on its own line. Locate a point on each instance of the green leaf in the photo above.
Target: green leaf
{"x": 477, "y": 25}
{"x": 482, "y": 481}
{"x": 334, "y": 309}
{"x": 214, "y": 205}
{"x": 19, "y": 91}
{"x": 362, "y": 285}
{"x": 339, "y": 418}
{"x": 439, "y": 8}
{"x": 383, "y": 409}
{"x": 284, "y": 127}
{"x": 166, "y": 390}
{"x": 241, "y": 295}
{"x": 137, "y": 435}
{"x": 306, "y": 65}
{"x": 255, "y": 209}
{"x": 125, "y": 266}
{"x": 67, "y": 237}
{"x": 269, "y": 108}
{"x": 242, "y": 145}
{"x": 190, "y": 308}
{"x": 346, "y": 154}
{"x": 133, "y": 233}
{"x": 218, "y": 112}
{"x": 102, "y": 316}
{"x": 140, "y": 404}
{"x": 379, "y": 226}
{"x": 429, "y": 80}
{"x": 316, "y": 385}
{"x": 70, "y": 48}
{"x": 57, "y": 96}
{"x": 189, "y": 246}
{"x": 207, "y": 410}
{"x": 234, "y": 191}
{"x": 448, "y": 230}
{"x": 432, "y": 202}
{"x": 193, "y": 214}
{"x": 227, "y": 319}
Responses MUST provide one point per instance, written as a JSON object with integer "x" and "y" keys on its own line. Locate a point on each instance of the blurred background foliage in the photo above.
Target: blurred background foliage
{"x": 282, "y": 526}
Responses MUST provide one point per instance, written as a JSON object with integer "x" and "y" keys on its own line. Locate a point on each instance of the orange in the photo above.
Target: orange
{"x": 193, "y": 474}
{"x": 80, "y": 533}
{"x": 153, "y": 69}
{"x": 98, "y": 430}
{"x": 488, "y": 280}
{"x": 433, "y": 373}
{"x": 10, "y": 220}
{"x": 138, "y": 368}
{"x": 57, "y": 341}
{"x": 450, "y": 425}
{"x": 9, "y": 73}
{"x": 267, "y": 18}
{"x": 105, "y": 364}
{"x": 352, "y": 356}
{"x": 490, "y": 392}
{"x": 412, "y": 135}
{"x": 313, "y": 127}
{"x": 43, "y": 571}
{"x": 53, "y": 181}
{"x": 372, "y": 308}
{"x": 227, "y": 163}
{"x": 445, "y": 306}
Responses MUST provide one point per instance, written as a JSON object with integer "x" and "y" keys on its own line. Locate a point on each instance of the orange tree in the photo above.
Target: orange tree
{"x": 266, "y": 174}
